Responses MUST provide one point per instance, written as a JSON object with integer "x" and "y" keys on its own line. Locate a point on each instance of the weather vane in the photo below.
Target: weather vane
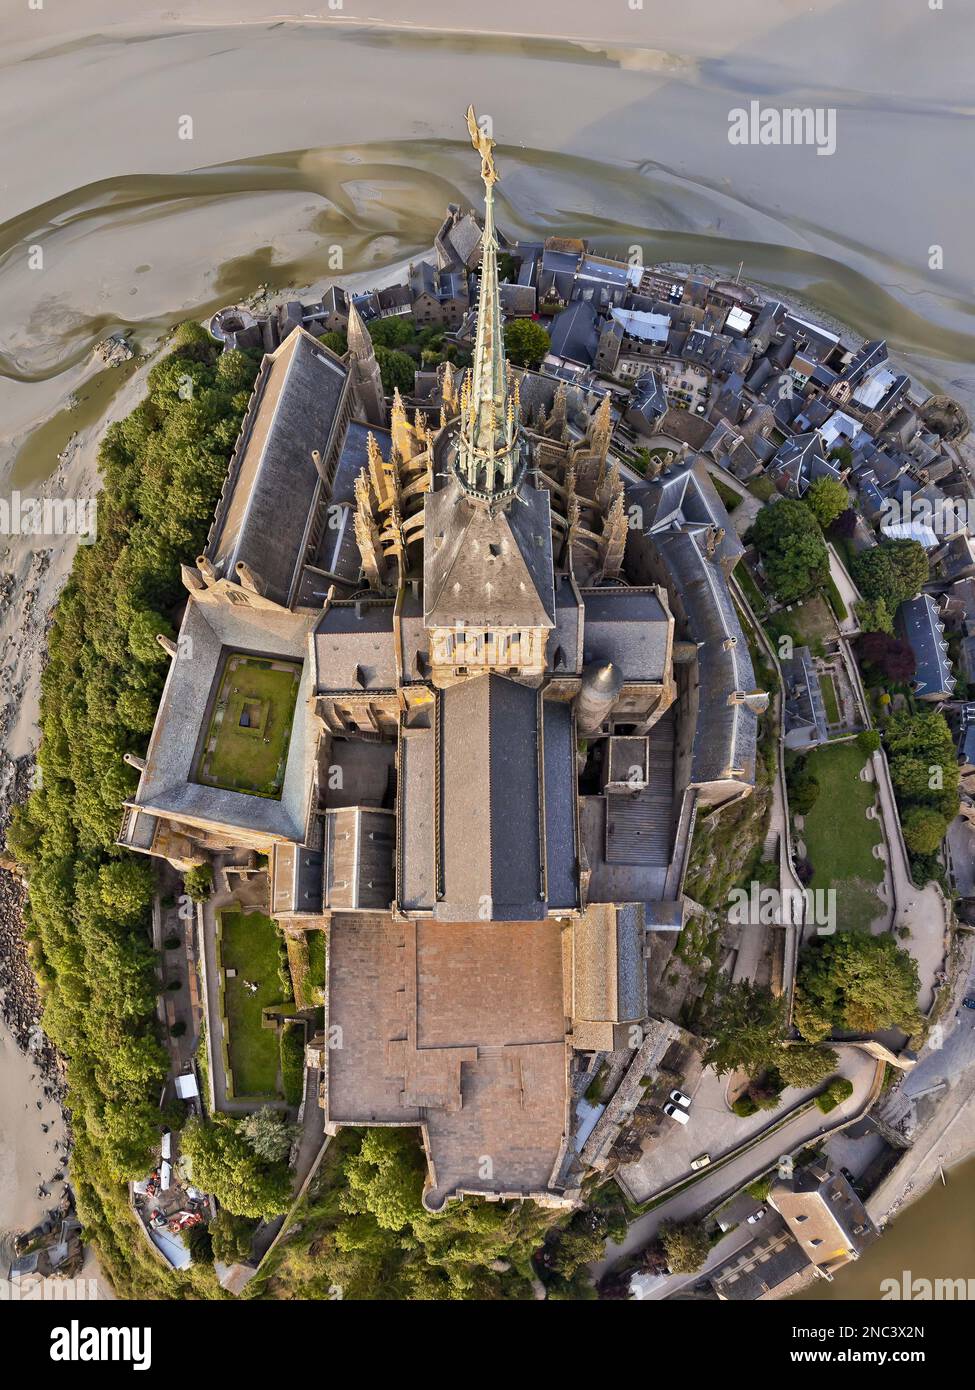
{"x": 483, "y": 143}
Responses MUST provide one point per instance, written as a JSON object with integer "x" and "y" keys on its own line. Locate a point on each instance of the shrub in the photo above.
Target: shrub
{"x": 744, "y": 1106}
{"x": 868, "y": 742}
{"x": 685, "y": 1244}
{"x": 924, "y": 829}
{"x": 838, "y": 1090}
{"x": 293, "y": 1062}
{"x": 198, "y": 882}
{"x": 834, "y": 596}
{"x": 794, "y": 554}
{"x": 803, "y": 789}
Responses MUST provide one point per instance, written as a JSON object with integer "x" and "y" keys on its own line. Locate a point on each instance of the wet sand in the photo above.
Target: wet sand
{"x": 27, "y": 1155}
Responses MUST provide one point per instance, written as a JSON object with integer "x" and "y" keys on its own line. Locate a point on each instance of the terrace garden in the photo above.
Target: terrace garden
{"x": 249, "y": 947}
{"x": 246, "y": 745}
{"x": 839, "y": 838}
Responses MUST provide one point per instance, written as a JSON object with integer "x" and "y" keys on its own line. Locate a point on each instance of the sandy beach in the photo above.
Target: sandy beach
{"x": 30, "y": 1145}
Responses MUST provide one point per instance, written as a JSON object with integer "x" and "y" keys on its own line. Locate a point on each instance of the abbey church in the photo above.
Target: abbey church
{"x": 467, "y": 679}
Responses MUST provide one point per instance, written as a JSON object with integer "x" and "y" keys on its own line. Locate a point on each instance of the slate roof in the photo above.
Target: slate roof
{"x": 490, "y": 810}
{"x": 354, "y": 648}
{"x": 923, "y": 631}
{"x": 296, "y": 879}
{"x": 358, "y": 859}
{"x": 798, "y": 463}
{"x": 725, "y": 736}
{"x": 213, "y": 628}
{"x": 272, "y": 485}
{"x": 564, "y": 649}
{"x": 685, "y": 495}
{"x": 575, "y": 333}
{"x": 488, "y": 568}
{"x": 804, "y": 707}
{"x": 648, "y": 400}
{"x": 537, "y": 390}
{"x": 630, "y": 627}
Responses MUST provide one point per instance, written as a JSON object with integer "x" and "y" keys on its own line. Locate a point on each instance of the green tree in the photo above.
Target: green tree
{"x": 874, "y": 615}
{"x": 397, "y": 369}
{"x": 857, "y": 983}
{"x": 803, "y": 1066}
{"x": 826, "y": 499}
{"x": 198, "y": 882}
{"x": 336, "y": 341}
{"x": 794, "y": 554}
{"x": 868, "y": 742}
{"x": 892, "y": 571}
{"x": 393, "y": 332}
{"x": 685, "y": 1244}
{"x": 142, "y": 636}
{"x": 924, "y": 829}
{"x": 269, "y": 1134}
{"x": 745, "y": 1023}
{"x": 126, "y": 887}
{"x": 225, "y": 1163}
{"x": 803, "y": 788}
{"x": 525, "y": 342}
{"x": 231, "y": 1237}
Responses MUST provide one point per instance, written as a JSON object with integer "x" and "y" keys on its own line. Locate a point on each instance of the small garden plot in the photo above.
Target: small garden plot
{"x": 246, "y": 747}
{"x": 249, "y": 947}
{"x": 839, "y": 838}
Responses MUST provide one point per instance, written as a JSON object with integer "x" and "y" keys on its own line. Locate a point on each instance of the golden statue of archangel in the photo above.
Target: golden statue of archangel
{"x": 484, "y": 145}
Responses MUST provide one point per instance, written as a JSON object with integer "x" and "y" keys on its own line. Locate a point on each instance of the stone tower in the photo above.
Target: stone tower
{"x": 367, "y": 382}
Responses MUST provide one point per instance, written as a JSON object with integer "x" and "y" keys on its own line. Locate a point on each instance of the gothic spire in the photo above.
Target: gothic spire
{"x": 488, "y": 446}
{"x": 357, "y": 334}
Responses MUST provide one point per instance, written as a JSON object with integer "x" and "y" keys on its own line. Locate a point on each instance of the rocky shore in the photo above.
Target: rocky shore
{"x": 20, "y": 1004}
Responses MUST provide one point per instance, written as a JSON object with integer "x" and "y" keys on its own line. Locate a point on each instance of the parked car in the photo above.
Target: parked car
{"x": 701, "y": 1162}
{"x": 969, "y": 1003}
{"x": 676, "y": 1112}
{"x": 757, "y": 1215}
{"x": 679, "y": 1098}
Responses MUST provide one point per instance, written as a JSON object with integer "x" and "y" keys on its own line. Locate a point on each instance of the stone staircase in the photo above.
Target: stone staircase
{"x": 640, "y": 828}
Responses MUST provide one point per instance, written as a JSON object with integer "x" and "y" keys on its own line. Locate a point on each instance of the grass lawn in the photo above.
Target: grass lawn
{"x": 761, "y": 487}
{"x": 838, "y": 837}
{"x": 249, "y": 945}
{"x": 756, "y": 599}
{"x": 729, "y": 497}
{"x": 807, "y": 623}
{"x": 829, "y": 698}
{"x": 247, "y": 743}
{"x": 316, "y": 966}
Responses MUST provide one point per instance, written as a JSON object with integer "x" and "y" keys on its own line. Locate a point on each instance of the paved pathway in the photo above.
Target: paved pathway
{"x": 923, "y": 911}
{"x": 849, "y": 593}
{"x": 713, "y": 1128}
{"x": 705, "y": 1194}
